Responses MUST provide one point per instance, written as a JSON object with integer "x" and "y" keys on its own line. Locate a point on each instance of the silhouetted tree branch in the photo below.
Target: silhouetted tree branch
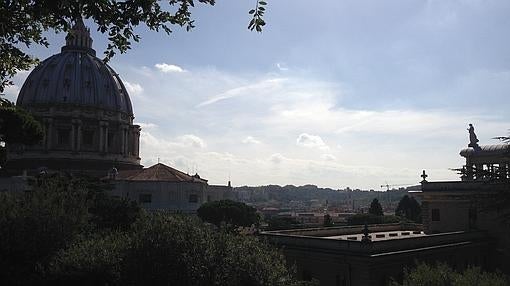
{"x": 23, "y": 23}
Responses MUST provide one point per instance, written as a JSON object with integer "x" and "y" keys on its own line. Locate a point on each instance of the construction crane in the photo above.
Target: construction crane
{"x": 387, "y": 186}
{"x": 391, "y": 204}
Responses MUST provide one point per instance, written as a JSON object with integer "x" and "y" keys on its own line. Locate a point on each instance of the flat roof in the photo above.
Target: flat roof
{"x": 379, "y": 236}
{"x": 385, "y": 239}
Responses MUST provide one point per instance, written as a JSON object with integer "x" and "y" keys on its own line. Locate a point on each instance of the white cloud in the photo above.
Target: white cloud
{"x": 311, "y": 141}
{"x": 11, "y": 92}
{"x": 376, "y": 144}
{"x": 168, "y": 68}
{"x": 134, "y": 89}
{"x": 250, "y": 89}
{"x": 250, "y": 140}
{"x": 192, "y": 140}
{"x": 328, "y": 157}
{"x": 277, "y": 158}
{"x": 282, "y": 66}
{"x": 148, "y": 125}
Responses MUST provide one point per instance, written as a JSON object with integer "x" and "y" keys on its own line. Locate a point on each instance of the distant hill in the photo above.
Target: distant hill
{"x": 308, "y": 193}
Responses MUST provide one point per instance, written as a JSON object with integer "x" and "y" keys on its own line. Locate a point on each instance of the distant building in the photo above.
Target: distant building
{"x": 307, "y": 219}
{"x": 161, "y": 187}
{"x": 462, "y": 225}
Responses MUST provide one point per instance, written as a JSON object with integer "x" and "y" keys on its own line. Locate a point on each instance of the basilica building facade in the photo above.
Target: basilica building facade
{"x": 87, "y": 117}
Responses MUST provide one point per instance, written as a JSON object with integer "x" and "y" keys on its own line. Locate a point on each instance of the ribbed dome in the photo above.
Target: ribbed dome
{"x": 76, "y": 77}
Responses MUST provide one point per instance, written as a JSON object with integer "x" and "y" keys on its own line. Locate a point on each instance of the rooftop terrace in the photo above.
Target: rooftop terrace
{"x": 384, "y": 239}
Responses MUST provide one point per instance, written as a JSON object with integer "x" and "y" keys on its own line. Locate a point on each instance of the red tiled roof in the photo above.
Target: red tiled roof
{"x": 158, "y": 172}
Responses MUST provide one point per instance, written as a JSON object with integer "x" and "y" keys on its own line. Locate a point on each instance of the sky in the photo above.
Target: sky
{"x": 336, "y": 93}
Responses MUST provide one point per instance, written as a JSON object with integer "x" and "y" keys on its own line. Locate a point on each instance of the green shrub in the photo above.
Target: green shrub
{"x": 442, "y": 275}
{"x": 230, "y": 212}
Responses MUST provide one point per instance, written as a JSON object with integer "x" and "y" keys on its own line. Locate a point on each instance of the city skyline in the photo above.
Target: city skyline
{"x": 358, "y": 95}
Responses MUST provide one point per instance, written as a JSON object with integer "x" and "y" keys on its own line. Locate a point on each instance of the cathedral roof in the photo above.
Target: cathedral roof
{"x": 485, "y": 150}
{"x": 76, "y": 76}
{"x": 159, "y": 172}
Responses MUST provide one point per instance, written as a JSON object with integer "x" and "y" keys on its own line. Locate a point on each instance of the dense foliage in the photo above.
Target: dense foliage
{"x": 66, "y": 231}
{"x": 38, "y": 223}
{"x": 229, "y": 212}
{"x": 375, "y": 208}
{"x": 17, "y": 127}
{"x": 409, "y": 208}
{"x": 443, "y": 275}
{"x": 327, "y": 220}
{"x": 163, "y": 249}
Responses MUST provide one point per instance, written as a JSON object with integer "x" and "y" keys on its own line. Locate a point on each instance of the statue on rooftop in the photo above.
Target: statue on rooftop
{"x": 365, "y": 238}
{"x": 473, "y": 140}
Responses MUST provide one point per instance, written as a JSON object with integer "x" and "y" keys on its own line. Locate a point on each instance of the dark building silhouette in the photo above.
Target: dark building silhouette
{"x": 465, "y": 223}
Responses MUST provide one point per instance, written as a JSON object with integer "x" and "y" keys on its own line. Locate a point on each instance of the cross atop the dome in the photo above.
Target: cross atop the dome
{"x": 424, "y": 176}
{"x": 78, "y": 38}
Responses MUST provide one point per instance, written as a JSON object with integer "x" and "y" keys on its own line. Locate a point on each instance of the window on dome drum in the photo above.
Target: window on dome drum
{"x": 145, "y": 198}
{"x": 193, "y": 198}
{"x": 88, "y": 137}
{"x": 435, "y": 215}
{"x": 63, "y": 137}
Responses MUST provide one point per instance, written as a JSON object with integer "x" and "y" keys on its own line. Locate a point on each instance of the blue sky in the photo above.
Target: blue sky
{"x": 334, "y": 93}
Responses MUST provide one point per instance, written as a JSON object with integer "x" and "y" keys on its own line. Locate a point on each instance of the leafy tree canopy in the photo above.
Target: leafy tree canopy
{"x": 59, "y": 209}
{"x": 327, "y": 220}
{"x": 164, "y": 249}
{"x": 375, "y": 208}
{"x": 66, "y": 231}
{"x": 18, "y": 126}
{"x": 24, "y": 21}
{"x": 442, "y": 274}
{"x": 230, "y": 212}
{"x": 409, "y": 208}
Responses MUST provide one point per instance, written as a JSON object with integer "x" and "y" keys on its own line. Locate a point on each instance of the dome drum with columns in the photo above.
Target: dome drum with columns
{"x": 85, "y": 111}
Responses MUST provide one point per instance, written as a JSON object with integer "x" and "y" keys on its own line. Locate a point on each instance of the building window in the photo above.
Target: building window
{"x": 193, "y": 198}
{"x": 435, "y": 215}
{"x": 88, "y": 137}
{"x": 63, "y": 136}
{"x": 145, "y": 198}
